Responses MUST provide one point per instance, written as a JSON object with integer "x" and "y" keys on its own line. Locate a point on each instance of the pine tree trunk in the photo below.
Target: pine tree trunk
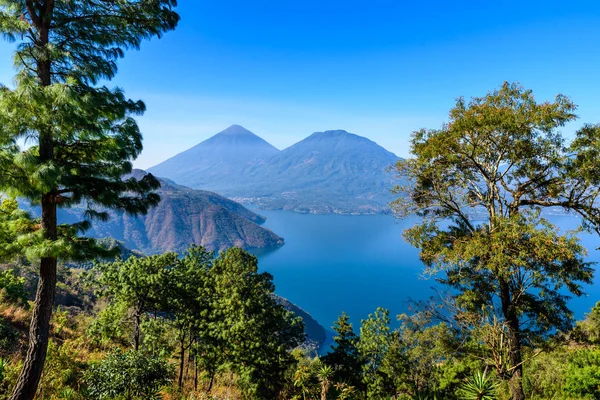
{"x": 210, "y": 383}
{"x": 514, "y": 342}
{"x": 195, "y": 374}
{"x": 31, "y": 373}
{"x": 39, "y": 329}
{"x": 136, "y": 328}
{"x": 181, "y": 359}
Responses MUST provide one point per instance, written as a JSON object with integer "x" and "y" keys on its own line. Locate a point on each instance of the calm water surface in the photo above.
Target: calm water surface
{"x": 335, "y": 263}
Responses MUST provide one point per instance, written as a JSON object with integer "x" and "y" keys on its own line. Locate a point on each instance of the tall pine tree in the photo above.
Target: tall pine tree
{"x": 81, "y": 136}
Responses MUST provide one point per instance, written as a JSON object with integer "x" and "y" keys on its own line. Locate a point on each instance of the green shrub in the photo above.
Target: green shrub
{"x": 129, "y": 375}
{"x": 13, "y": 287}
{"x": 583, "y": 376}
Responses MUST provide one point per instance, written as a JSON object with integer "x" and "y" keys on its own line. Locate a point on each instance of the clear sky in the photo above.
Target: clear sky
{"x": 381, "y": 69}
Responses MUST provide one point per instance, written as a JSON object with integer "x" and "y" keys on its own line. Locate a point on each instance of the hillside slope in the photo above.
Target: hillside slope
{"x": 183, "y": 217}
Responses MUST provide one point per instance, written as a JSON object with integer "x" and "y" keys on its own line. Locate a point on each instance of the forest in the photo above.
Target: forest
{"x": 78, "y": 320}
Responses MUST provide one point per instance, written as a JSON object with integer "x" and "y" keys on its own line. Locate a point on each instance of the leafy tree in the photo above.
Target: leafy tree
{"x": 344, "y": 356}
{"x": 376, "y": 338}
{"x": 82, "y": 136}
{"x": 189, "y": 301}
{"x": 478, "y": 184}
{"x": 109, "y": 326}
{"x": 140, "y": 283}
{"x": 255, "y": 333}
{"x": 14, "y": 223}
{"x": 130, "y": 375}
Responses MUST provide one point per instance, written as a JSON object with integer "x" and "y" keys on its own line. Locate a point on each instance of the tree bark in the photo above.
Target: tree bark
{"x": 210, "y": 383}
{"x": 39, "y": 329}
{"x": 181, "y": 359}
{"x": 324, "y": 390}
{"x": 136, "y": 328}
{"x": 514, "y": 342}
{"x": 195, "y": 374}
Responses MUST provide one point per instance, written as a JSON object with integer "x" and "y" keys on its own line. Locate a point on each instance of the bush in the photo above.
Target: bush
{"x": 130, "y": 375}
{"x": 13, "y": 287}
{"x": 583, "y": 377}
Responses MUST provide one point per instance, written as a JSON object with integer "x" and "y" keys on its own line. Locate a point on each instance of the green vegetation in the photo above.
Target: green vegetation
{"x": 199, "y": 324}
{"x": 480, "y": 184}
{"x": 82, "y": 136}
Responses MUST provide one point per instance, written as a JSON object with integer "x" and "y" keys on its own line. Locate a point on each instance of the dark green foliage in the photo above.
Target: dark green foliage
{"x": 374, "y": 345}
{"x": 222, "y": 309}
{"x": 140, "y": 284}
{"x": 81, "y": 138}
{"x": 127, "y": 375}
{"x": 344, "y": 357}
{"x": 256, "y": 333}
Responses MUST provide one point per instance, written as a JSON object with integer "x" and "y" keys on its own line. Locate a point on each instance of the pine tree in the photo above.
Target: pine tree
{"x": 344, "y": 357}
{"x": 82, "y": 136}
{"x": 255, "y": 332}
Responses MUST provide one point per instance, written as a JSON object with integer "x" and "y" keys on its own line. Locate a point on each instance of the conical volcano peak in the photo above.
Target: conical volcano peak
{"x": 236, "y": 130}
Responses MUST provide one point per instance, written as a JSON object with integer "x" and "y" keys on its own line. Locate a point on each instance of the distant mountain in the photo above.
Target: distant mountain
{"x": 183, "y": 217}
{"x": 331, "y": 171}
{"x": 218, "y": 163}
{"x": 328, "y": 172}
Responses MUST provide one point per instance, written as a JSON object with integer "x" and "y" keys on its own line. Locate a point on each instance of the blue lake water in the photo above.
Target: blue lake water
{"x": 335, "y": 263}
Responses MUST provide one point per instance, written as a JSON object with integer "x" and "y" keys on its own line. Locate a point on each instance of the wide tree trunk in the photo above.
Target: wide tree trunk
{"x": 31, "y": 373}
{"x": 514, "y": 342}
{"x": 39, "y": 329}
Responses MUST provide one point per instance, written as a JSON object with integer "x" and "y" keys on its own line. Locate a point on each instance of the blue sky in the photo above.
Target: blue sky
{"x": 380, "y": 69}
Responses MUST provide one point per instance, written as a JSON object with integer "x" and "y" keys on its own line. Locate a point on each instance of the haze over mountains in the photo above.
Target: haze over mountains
{"x": 328, "y": 172}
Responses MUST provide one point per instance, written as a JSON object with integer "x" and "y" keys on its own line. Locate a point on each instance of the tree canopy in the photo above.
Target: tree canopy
{"x": 480, "y": 184}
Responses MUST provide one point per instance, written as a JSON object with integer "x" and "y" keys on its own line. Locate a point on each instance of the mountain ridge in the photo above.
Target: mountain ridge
{"x": 184, "y": 216}
{"x": 331, "y": 171}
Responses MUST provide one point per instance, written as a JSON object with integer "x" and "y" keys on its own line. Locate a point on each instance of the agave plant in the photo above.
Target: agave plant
{"x": 478, "y": 387}
{"x": 324, "y": 374}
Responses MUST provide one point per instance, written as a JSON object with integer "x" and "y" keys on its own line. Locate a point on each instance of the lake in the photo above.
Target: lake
{"x": 335, "y": 263}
